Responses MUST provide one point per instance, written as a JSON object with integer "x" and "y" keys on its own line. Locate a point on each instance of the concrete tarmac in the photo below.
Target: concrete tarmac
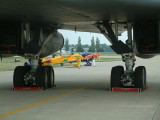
{"x": 83, "y": 94}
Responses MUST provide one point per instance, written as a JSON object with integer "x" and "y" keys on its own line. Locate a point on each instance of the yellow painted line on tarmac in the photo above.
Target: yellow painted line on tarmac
{"x": 39, "y": 103}
{"x": 153, "y": 64}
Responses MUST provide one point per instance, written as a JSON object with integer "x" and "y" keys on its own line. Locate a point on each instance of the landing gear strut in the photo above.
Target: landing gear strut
{"x": 128, "y": 76}
{"x": 120, "y": 78}
{"x": 33, "y": 75}
{"x": 131, "y": 78}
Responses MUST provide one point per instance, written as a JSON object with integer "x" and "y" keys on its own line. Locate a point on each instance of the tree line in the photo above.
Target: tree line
{"x": 94, "y": 47}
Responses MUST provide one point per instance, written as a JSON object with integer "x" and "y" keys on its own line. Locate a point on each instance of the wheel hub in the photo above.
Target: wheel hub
{"x": 127, "y": 79}
{"x": 30, "y": 79}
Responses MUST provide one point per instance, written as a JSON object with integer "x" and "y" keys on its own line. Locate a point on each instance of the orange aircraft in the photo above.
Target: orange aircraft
{"x": 70, "y": 59}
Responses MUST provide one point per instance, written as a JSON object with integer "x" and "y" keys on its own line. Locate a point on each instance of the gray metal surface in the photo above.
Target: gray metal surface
{"x": 92, "y": 103}
{"x": 80, "y": 14}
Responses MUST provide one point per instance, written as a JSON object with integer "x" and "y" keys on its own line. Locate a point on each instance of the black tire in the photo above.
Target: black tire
{"x": 145, "y": 76}
{"x": 18, "y": 77}
{"x": 50, "y": 73}
{"x": 42, "y": 77}
{"x": 116, "y": 74}
{"x": 140, "y": 77}
{"x": 120, "y": 67}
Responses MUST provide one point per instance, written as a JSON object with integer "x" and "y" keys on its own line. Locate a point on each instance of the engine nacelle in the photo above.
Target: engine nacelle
{"x": 48, "y": 43}
{"x": 54, "y": 44}
{"x": 26, "y": 38}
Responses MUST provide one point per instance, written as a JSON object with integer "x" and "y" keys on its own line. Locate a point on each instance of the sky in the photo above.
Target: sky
{"x": 86, "y": 37}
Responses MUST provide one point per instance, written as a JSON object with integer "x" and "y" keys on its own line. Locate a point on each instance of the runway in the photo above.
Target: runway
{"x": 83, "y": 94}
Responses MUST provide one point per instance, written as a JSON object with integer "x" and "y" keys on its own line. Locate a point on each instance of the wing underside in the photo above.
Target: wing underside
{"x": 79, "y": 15}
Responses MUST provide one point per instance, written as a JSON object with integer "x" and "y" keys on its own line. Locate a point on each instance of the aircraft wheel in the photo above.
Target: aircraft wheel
{"x": 140, "y": 77}
{"x": 18, "y": 77}
{"x": 50, "y": 76}
{"x": 116, "y": 74}
{"x": 42, "y": 77}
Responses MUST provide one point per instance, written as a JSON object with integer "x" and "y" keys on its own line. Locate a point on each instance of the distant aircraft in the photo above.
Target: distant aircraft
{"x": 89, "y": 57}
{"x": 59, "y": 60}
{"x": 71, "y": 59}
{"x": 29, "y": 28}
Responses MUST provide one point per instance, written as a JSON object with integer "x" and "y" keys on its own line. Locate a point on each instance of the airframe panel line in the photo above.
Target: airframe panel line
{"x": 39, "y": 103}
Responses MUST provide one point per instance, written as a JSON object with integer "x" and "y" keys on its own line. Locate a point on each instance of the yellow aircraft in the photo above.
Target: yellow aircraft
{"x": 60, "y": 59}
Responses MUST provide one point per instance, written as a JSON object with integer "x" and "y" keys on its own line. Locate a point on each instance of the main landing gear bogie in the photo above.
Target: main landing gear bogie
{"x": 120, "y": 78}
{"x": 137, "y": 78}
{"x": 43, "y": 76}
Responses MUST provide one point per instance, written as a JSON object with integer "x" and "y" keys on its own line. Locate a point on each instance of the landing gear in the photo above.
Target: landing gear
{"x": 35, "y": 41}
{"x": 120, "y": 78}
{"x": 34, "y": 75}
{"x": 128, "y": 78}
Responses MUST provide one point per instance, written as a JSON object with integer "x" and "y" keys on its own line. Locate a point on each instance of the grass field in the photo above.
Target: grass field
{"x": 110, "y": 59}
{"x": 9, "y": 64}
{"x": 108, "y": 54}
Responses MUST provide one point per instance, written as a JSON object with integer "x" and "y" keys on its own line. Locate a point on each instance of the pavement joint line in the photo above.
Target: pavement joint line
{"x": 39, "y": 103}
{"x": 156, "y": 112}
